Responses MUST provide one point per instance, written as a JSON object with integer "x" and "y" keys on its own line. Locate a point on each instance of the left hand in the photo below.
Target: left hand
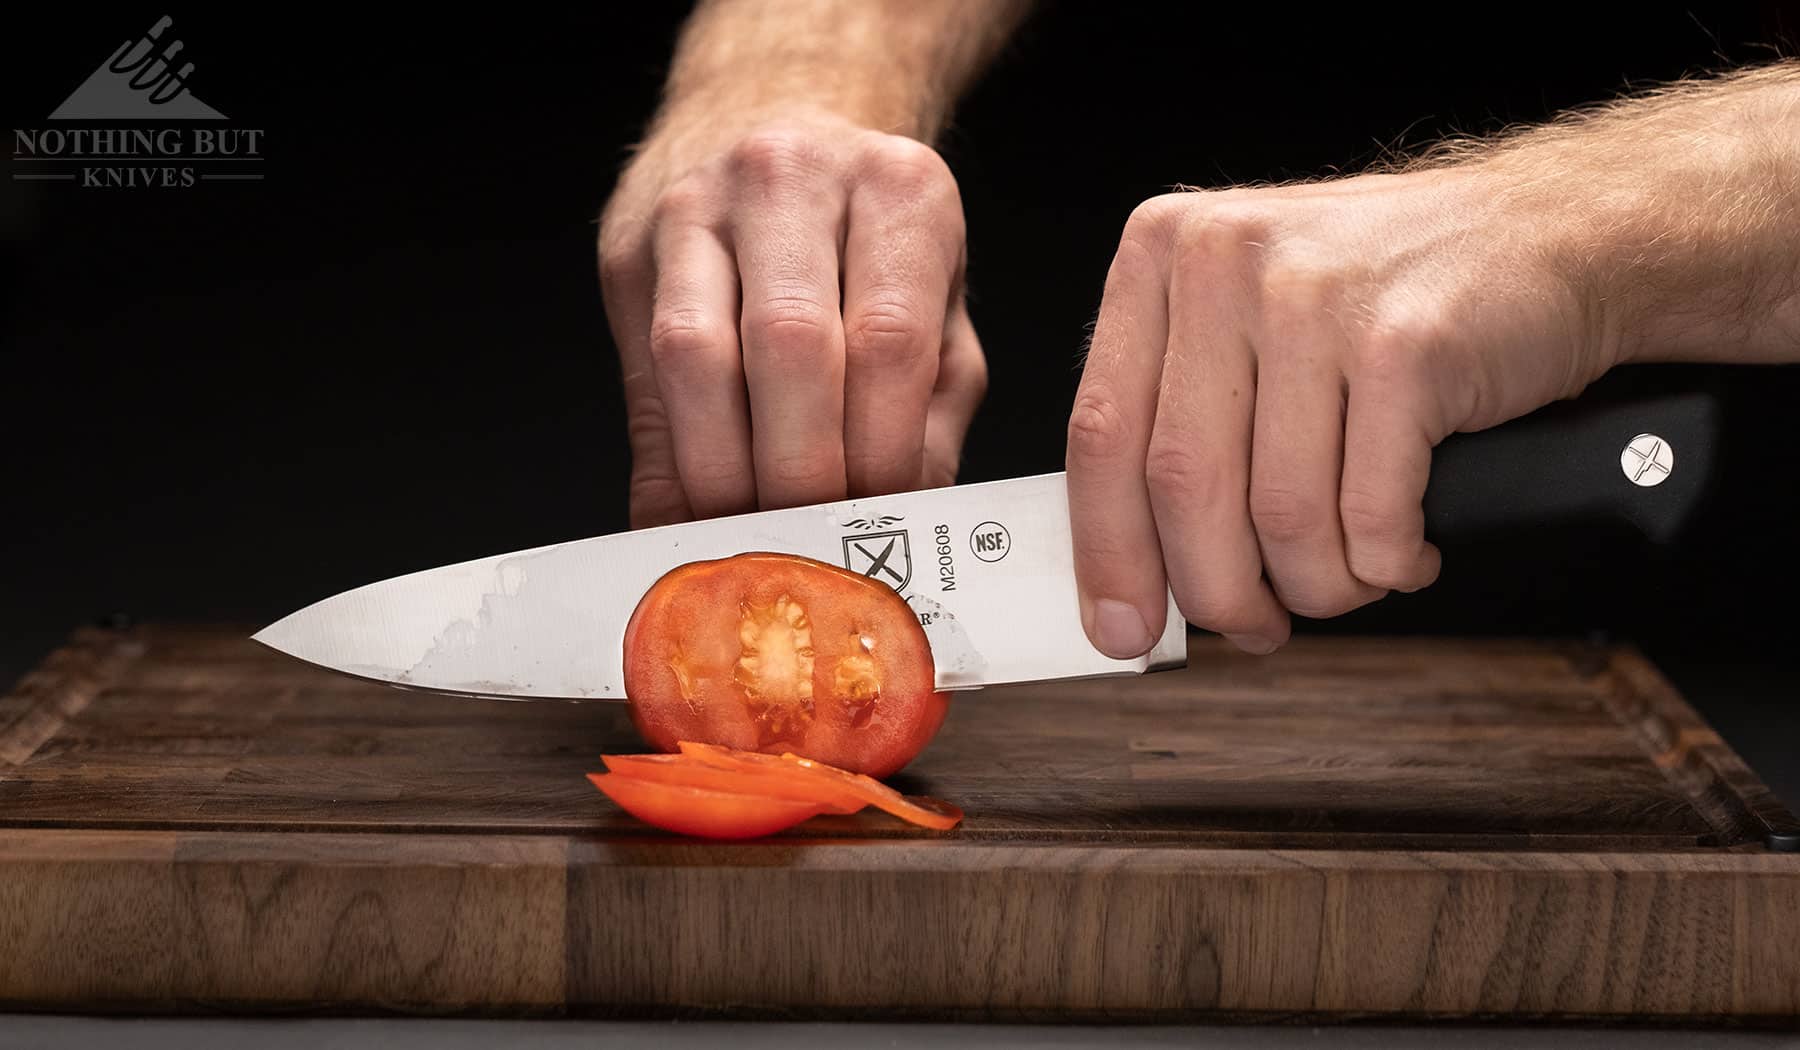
{"x": 1270, "y": 371}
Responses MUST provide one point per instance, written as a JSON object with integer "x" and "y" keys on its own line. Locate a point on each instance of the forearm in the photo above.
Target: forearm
{"x": 896, "y": 66}
{"x": 1679, "y": 212}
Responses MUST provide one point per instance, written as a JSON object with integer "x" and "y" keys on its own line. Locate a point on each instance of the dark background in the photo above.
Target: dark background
{"x": 225, "y": 402}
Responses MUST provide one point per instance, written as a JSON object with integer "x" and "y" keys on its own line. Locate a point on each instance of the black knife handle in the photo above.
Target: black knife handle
{"x": 1568, "y": 463}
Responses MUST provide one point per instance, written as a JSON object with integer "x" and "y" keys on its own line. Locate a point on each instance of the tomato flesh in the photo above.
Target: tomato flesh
{"x": 779, "y": 652}
{"x": 925, "y": 812}
{"x": 684, "y": 771}
{"x": 717, "y": 792}
{"x": 702, "y": 812}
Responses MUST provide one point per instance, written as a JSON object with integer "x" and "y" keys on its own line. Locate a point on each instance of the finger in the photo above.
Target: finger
{"x": 1296, "y": 464}
{"x": 961, "y": 384}
{"x": 786, "y": 236}
{"x": 1118, "y": 565}
{"x": 699, "y": 369}
{"x": 655, "y": 493}
{"x": 1387, "y": 464}
{"x": 900, "y": 259}
{"x": 1199, "y": 465}
{"x": 657, "y": 496}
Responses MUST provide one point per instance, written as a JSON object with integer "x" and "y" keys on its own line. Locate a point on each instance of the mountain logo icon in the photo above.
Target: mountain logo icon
{"x": 139, "y": 82}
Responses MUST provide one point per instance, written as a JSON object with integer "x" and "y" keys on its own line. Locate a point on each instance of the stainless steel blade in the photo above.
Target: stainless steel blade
{"x": 988, "y": 568}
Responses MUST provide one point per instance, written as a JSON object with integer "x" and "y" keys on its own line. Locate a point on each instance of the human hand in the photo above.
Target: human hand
{"x": 786, "y": 292}
{"x": 1270, "y": 371}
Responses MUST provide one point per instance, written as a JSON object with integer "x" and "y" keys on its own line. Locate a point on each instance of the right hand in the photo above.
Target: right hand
{"x": 748, "y": 383}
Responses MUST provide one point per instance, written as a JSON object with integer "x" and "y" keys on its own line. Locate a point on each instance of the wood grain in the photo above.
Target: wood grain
{"x": 1412, "y": 828}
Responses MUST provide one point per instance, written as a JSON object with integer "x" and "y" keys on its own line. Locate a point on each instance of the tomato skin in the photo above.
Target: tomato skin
{"x": 846, "y": 679}
{"x": 700, "y": 812}
{"x": 718, "y": 792}
{"x": 686, "y": 771}
{"x": 925, "y": 812}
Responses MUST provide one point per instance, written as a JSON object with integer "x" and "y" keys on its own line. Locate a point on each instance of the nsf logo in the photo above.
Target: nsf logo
{"x": 989, "y": 541}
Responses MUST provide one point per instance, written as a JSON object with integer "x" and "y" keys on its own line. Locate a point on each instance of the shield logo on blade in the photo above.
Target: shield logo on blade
{"x": 885, "y": 556}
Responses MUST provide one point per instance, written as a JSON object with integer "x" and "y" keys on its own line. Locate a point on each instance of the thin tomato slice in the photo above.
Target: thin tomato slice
{"x": 925, "y": 812}
{"x": 701, "y": 812}
{"x": 774, "y": 782}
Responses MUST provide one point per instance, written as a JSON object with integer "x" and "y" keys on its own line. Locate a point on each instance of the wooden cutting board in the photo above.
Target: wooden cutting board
{"x": 1352, "y": 827}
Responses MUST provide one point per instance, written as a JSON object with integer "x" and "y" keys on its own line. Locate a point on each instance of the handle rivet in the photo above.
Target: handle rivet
{"x": 1647, "y": 460}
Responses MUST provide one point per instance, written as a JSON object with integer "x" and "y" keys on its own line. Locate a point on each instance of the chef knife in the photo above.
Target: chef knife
{"x": 988, "y": 568}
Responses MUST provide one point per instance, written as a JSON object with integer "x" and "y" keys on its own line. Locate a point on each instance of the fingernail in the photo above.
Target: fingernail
{"x": 1255, "y": 645}
{"x": 1119, "y": 631}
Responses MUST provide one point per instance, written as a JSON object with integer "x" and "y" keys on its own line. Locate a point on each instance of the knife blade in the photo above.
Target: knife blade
{"x": 988, "y": 568}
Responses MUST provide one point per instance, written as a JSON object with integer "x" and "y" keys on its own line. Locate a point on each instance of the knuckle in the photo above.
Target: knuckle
{"x": 1379, "y": 568}
{"x": 1183, "y": 478}
{"x": 683, "y": 336}
{"x": 621, "y": 263}
{"x": 1221, "y": 229}
{"x": 1153, "y": 222}
{"x": 906, "y": 166}
{"x": 887, "y": 332}
{"x": 892, "y": 469}
{"x": 940, "y": 467}
{"x": 1300, "y": 286}
{"x": 800, "y": 316}
{"x": 656, "y": 499}
{"x": 1224, "y": 608}
{"x": 1368, "y": 517}
{"x": 1415, "y": 324}
{"x": 1098, "y": 432}
{"x": 716, "y": 472}
{"x": 773, "y": 153}
{"x": 805, "y": 470}
{"x": 792, "y": 328}
{"x": 1136, "y": 263}
{"x": 1397, "y": 349}
{"x": 647, "y": 428}
{"x": 1325, "y": 603}
{"x": 681, "y": 201}
{"x": 1283, "y": 514}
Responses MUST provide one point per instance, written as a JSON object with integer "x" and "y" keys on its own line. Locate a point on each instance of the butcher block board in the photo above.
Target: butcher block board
{"x": 1353, "y": 827}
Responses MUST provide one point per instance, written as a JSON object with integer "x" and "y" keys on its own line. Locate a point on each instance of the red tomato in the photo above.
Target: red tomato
{"x": 777, "y": 652}
{"x": 702, "y": 812}
{"x": 685, "y": 771}
{"x": 838, "y": 784}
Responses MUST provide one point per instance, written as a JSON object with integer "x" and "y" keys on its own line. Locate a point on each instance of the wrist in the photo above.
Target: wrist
{"x": 726, "y": 102}
{"x": 1679, "y": 225}
{"x": 1545, "y": 240}
{"x": 689, "y": 130}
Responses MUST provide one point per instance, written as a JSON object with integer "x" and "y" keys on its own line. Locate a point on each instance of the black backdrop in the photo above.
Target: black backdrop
{"x": 224, "y": 402}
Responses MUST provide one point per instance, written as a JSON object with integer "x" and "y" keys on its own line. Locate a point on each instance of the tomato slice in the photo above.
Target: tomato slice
{"x": 925, "y": 812}
{"x": 774, "y": 782}
{"x": 778, "y": 652}
{"x": 702, "y": 812}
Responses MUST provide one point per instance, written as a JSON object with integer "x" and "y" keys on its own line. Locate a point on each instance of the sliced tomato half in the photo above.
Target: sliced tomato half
{"x": 701, "y": 812}
{"x": 925, "y": 812}
{"x": 778, "y": 652}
